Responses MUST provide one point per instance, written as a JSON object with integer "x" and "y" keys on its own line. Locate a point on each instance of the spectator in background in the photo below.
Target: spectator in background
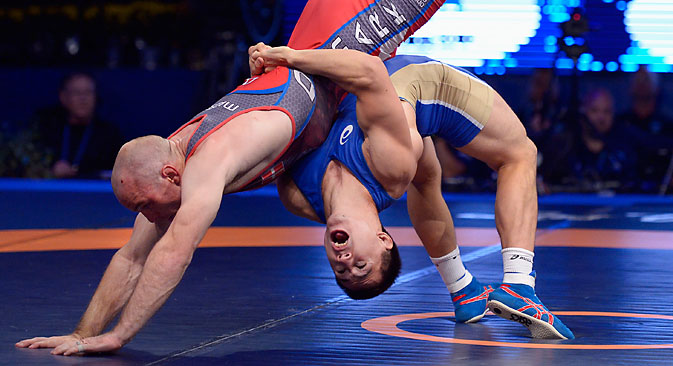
{"x": 644, "y": 111}
{"x": 597, "y": 153}
{"x": 81, "y": 144}
{"x": 645, "y": 114}
{"x": 541, "y": 114}
{"x": 542, "y": 111}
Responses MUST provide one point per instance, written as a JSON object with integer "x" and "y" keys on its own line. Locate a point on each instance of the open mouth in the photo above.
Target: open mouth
{"x": 339, "y": 238}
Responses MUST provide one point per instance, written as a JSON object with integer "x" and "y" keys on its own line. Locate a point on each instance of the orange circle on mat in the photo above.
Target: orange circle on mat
{"x": 388, "y": 325}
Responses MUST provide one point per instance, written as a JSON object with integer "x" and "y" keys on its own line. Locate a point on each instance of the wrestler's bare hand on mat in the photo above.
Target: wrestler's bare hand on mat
{"x": 107, "y": 342}
{"x": 48, "y": 342}
{"x": 74, "y": 344}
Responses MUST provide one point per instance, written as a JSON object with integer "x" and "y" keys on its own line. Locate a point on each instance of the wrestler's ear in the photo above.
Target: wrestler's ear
{"x": 169, "y": 172}
{"x": 386, "y": 239}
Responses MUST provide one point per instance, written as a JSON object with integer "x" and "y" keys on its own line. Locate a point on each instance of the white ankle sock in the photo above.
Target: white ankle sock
{"x": 517, "y": 264}
{"x": 452, "y": 270}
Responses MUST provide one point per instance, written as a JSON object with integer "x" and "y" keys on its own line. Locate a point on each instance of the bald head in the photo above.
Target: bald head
{"x": 138, "y": 165}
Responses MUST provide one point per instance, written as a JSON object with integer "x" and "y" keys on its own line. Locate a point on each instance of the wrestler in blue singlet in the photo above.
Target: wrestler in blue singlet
{"x": 449, "y": 102}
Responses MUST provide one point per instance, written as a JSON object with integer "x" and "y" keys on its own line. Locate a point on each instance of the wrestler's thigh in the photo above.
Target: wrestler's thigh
{"x": 503, "y": 138}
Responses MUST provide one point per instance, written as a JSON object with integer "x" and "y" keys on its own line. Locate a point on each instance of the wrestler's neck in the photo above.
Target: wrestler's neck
{"x": 180, "y": 141}
{"x": 344, "y": 195}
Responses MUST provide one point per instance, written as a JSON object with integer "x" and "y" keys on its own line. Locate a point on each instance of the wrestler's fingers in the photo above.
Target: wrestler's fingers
{"x": 43, "y": 343}
{"x": 258, "y": 47}
{"x": 254, "y": 68}
{"x": 60, "y": 349}
{"x": 252, "y": 60}
{"x": 28, "y": 342}
{"x": 74, "y": 349}
{"x": 255, "y": 54}
{"x": 261, "y": 46}
{"x": 70, "y": 348}
{"x": 38, "y": 344}
{"x": 254, "y": 47}
{"x": 47, "y": 343}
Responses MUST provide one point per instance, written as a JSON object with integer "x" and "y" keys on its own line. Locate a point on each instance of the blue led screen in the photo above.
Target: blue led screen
{"x": 501, "y": 36}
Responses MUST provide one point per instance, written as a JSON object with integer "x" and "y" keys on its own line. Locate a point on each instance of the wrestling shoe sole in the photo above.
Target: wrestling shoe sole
{"x": 538, "y": 328}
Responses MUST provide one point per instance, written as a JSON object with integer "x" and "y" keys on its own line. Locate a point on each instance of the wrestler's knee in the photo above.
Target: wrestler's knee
{"x": 519, "y": 150}
{"x": 528, "y": 153}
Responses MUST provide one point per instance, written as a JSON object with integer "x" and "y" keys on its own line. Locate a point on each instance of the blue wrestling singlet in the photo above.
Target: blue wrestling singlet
{"x": 343, "y": 144}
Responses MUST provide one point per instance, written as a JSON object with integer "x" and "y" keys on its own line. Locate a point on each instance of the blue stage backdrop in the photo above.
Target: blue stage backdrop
{"x": 498, "y": 37}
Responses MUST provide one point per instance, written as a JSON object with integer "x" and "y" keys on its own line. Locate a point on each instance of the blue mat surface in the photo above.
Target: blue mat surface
{"x": 280, "y": 305}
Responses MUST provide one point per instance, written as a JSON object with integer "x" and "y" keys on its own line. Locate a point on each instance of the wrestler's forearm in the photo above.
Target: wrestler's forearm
{"x": 162, "y": 272}
{"x": 113, "y": 292}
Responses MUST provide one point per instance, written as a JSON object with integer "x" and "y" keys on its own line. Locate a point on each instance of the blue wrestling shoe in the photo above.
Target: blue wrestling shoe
{"x": 470, "y": 302}
{"x": 518, "y": 302}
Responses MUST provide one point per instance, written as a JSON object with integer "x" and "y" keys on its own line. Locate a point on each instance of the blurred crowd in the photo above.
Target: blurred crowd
{"x": 122, "y": 33}
{"x": 592, "y": 145}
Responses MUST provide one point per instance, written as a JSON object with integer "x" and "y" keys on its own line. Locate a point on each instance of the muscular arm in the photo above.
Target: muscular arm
{"x": 379, "y": 112}
{"x": 120, "y": 279}
{"x": 356, "y": 72}
{"x": 168, "y": 260}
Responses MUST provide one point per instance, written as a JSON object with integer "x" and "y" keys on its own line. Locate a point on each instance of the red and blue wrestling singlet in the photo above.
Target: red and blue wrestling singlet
{"x": 376, "y": 27}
